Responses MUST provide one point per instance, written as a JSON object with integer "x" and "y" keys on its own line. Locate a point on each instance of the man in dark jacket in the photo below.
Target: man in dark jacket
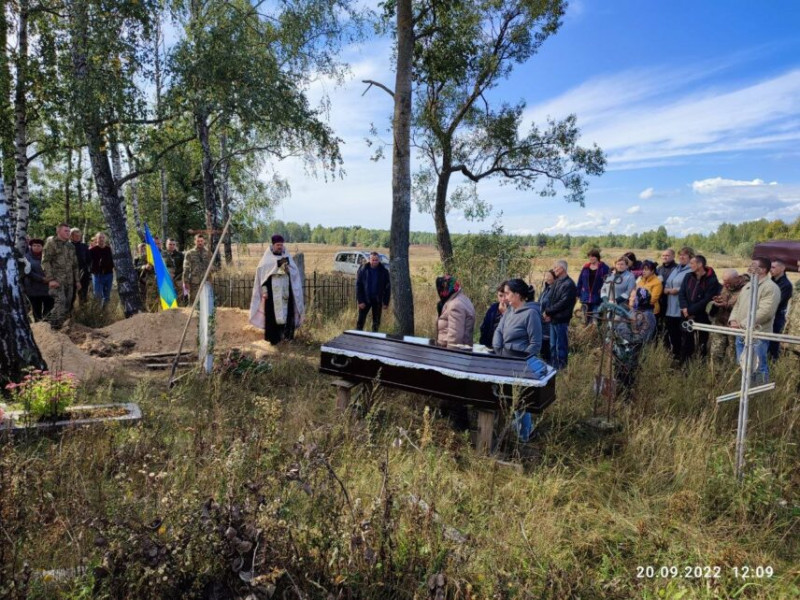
{"x": 697, "y": 289}
{"x": 35, "y": 282}
{"x": 373, "y": 291}
{"x": 84, "y": 264}
{"x": 563, "y": 295}
{"x": 667, "y": 265}
{"x": 590, "y": 282}
{"x": 778, "y": 272}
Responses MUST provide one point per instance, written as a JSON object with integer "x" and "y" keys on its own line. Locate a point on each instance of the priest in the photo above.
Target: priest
{"x": 277, "y": 306}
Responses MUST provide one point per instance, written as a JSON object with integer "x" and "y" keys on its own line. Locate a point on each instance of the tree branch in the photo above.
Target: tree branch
{"x": 154, "y": 166}
{"x": 376, "y": 84}
{"x": 136, "y": 121}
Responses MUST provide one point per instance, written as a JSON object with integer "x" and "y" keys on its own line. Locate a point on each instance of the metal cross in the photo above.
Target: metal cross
{"x": 750, "y": 333}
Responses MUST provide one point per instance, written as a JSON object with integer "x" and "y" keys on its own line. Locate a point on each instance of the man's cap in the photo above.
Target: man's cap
{"x": 277, "y": 238}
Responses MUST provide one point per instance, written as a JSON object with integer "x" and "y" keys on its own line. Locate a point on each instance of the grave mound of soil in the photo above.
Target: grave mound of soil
{"x": 62, "y": 354}
{"x": 90, "y": 352}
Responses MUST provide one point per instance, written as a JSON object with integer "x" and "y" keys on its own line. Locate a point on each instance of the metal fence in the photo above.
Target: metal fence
{"x": 325, "y": 293}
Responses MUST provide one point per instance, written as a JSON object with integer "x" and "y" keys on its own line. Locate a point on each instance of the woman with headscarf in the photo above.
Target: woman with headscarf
{"x": 520, "y": 334}
{"x": 456, "y": 321}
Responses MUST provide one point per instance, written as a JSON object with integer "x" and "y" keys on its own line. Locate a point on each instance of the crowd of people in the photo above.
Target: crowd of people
{"x": 663, "y": 297}
{"x": 63, "y": 270}
{"x": 644, "y": 301}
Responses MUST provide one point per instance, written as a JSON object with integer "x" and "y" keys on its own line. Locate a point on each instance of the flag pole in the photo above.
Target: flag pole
{"x": 194, "y": 304}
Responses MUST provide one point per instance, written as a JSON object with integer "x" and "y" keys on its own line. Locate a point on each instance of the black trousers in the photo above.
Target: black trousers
{"x": 690, "y": 344}
{"x": 377, "y": 309}
{"x": 41, "y": 306}
{"x": 674, "y": 335}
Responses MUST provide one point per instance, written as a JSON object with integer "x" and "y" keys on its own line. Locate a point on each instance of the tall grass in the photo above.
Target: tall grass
{"x": 374, "y": 502}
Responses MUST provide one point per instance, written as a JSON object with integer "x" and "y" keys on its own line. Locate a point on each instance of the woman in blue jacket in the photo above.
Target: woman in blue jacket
{"x": 520, "y": 333}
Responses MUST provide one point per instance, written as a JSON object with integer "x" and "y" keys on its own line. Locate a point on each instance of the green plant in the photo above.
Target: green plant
{"x": 45, "y": 395}
{"x": 236, "y": 363}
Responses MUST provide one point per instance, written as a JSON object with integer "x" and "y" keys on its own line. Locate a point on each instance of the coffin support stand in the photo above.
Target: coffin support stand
{"x": 344, "y": 389}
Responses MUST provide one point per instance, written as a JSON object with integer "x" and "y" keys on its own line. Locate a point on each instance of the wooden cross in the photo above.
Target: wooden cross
{"x": 745, "y": 391}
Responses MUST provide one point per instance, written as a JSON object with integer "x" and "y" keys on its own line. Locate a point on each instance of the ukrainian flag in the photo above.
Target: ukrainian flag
{"x": 164, "y": 282}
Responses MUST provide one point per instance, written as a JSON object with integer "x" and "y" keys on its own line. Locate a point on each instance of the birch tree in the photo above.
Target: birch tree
{"x": 103, "y": 47}
{"x": 18, "y": 349}
{"x": 240, "y": 66}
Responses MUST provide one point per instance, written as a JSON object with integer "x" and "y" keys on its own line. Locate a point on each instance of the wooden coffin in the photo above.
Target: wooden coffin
{"x": 786, "y": 250}
{"x": 484, "y": 380}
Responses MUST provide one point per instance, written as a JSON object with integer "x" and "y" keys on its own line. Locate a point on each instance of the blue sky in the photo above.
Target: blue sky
{"x": 696, "y": 104}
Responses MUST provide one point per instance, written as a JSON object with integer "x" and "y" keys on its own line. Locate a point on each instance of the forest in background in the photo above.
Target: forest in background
{"x": 729, "y": 238}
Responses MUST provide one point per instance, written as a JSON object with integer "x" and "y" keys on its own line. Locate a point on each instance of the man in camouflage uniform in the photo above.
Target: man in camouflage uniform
{"x": 148, "y": 290}
{"x": 60, "y": 265}
{"x": 793, "y": 317}
{"x": 173, "y": 260}
{"x": 722, "y": 345}
{"x": 195, "y": 263}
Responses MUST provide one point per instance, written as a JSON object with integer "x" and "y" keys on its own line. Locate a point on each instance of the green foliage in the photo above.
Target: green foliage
{"x": 45, "y": 395}
{"x": 462, "y": 51}
{"x": 484, "y": 260}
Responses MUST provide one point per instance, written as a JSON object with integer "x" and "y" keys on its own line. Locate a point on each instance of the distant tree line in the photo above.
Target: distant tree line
{"x": 736, "y": 240}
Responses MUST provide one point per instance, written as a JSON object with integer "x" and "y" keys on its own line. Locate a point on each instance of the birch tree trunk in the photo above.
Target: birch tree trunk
{"x": 162, "y": 172}
{"x": 116, "y": 170}
{"x": 402, "y": 296}
{"x": 112, "y": 208}
{"x": 137, "y": 215}
{"x": 209, "y": 185}
{"x": 21, "y": 132}
{"x": 110, "y": 197}
{"x": 226, "y": 198}
{"x": 6, "y": 107}
{"x": 68, "y": 187}
{"x": 18, "y": 349}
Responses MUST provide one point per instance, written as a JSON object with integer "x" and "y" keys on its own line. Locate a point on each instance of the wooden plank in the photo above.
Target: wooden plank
{"x": 344, "y": 389}
{"x": 167, "y": 365}
{"x": 485, "y": 431}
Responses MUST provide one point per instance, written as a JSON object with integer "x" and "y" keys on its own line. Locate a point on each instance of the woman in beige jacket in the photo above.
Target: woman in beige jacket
{"x": 456, "y": 321}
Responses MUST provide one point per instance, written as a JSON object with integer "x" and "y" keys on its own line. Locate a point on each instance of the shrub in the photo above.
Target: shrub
{"x": 45, "y": 395}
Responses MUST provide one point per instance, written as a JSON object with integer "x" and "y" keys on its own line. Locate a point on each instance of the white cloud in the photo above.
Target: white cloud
{"x": 646, "y": 194}
{"x": 641, "y": 117}
{"x": 715, "y": 184}
{"x": 634, "y": 209}
{"x": 589, "y": 223}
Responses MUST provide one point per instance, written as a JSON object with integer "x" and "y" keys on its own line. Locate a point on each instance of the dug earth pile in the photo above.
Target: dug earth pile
{"x": 90, "y": 353}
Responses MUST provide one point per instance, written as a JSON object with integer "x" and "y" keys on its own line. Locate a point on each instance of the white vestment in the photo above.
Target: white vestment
{"x": 267, "y": 267}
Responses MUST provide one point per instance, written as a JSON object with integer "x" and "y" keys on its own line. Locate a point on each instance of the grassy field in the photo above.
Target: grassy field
{"x": 424, "y": 260}
{"x": 256, "y": 485}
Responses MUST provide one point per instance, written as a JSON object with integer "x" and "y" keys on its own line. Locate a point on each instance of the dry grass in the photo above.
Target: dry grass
{"x": 584, "y": 512}
{"x": 424, "y": 260}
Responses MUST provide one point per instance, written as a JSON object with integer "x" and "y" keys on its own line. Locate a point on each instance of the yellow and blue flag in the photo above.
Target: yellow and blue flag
{"x": 164, "y": 282}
